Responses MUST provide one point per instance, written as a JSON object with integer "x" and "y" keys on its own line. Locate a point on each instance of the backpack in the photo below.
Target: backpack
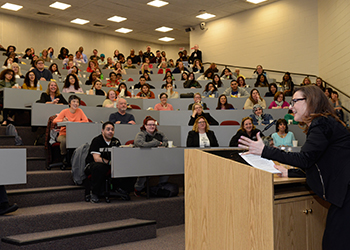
{"x": 78, "y": 163}
{"x": 165, "y": 189}
{"x": 11, "y": 130}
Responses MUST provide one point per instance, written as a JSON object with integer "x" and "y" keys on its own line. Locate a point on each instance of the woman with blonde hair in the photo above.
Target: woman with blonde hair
{"x": 45, "y": 56}
{"x": 52, "y": 95}
{"x": 17, "y": 69}
{"x": 145, "y": 69}
{"x": 200, "y": 135}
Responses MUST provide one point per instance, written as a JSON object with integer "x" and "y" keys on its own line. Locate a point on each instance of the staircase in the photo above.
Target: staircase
{"x": 54, "y": 215}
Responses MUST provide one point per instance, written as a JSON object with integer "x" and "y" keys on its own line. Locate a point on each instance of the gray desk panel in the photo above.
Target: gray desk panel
{"x": 13, "y": 166}
{"x": 159, "y": 161}
{"x": 18, "y": 98}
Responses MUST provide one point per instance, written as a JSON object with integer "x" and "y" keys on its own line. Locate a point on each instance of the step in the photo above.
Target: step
{"x": 36, "y": 163}
{"x": 29, "y": 197}
{"x": 165, "y": 211}
{"x": 32, "y": 151}
{"x": 90, "y": 236}
{"x": 26, "y": 133}
{"x": 7, "y": 140}
{"x": 45, "y": 178}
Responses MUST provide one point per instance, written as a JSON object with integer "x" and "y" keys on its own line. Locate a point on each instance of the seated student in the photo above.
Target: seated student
{"x": 247, "y": 129}
{"x": 282, "y": 137}
{"x": 197, "y": 111}
{"x": 306, "y": 81}
{"x": 148, "y": 137}
{"x": 197, "y": 66}
{"x": 289, "y": 117}
{"x": 222, "y": 103}
{"x": 210, "y": 90}
{"x": 261, "y": 81}
{"x": 145, "y": 69}
{"x": 92, "y": 78}
{"x": 287, "y": 84}
{"x": 235, "y": 91}
{"x": 207, "y": 75}
{"x": 163, "y": 105}
{"x": 141, "y": 83}
{"x": 169, "y": 90}
{"x": 146, "y": 75}
{"x": 253, "y": 99}
{"x": 200, "y": 135}
{"x": 112, "y": 82}
{"x": 191, "y": 82}
{"x": 7, "y": 80}
{"x": 31, "y": 82}
{"x": 258, "y": 71}
{"x": 122, "y": 91}
{"x": 119, "y": 69}
{"x": 92, "y": 66}
{"x": 110, "y": 101}
{"x": 41, "y": 73}
{"x": 54, "y": 69}
{"x": 96, "y": 89}
{"x": 168, "y": 79}
{"x": 17, "y": 69}
{"x": 71, "y": 114}
{"x": 121, "y": 117}
{"x": 167, "y": 74}
{"x": 241, "y": 82}
{"x": 336, "y": 103}
{"x": 279, "y": 101}
{"x": 227, "y": 75}
{"x": 180, "y": 68}
{"x": 319, "y": 82}
{"x": 184, "y": 76}
{"x": 163, "y": 68}
{"x": 259, "y": 117}
{"x": 99, "y": 163}
{"x": 71, "y": 85}
{"x": 197, "y": 98}
{"x": 217, "y": 81}
{"x": 145, "y": 92}
{"x": 272, "y": 90}
{"x": 129, "y": 64}
{"x": 52, "y": 95}
{"x": 5, "y": 207}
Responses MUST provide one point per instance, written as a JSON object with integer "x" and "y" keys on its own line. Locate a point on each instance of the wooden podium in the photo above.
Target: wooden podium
{"x": 231, "y": 205}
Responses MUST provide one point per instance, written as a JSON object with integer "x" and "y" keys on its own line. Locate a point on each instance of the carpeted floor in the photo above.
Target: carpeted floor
{"x": 168, "y": 238}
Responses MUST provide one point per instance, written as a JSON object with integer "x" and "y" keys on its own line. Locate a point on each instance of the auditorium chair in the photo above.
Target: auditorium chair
{"x": 133, "y": 106}
{"x": 53, "y": 151}
{"x": 129, "y": 142}
{"x": 229, "y": 123}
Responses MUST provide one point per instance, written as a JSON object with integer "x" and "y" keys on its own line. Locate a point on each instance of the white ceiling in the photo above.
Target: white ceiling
{"x": 143, "y": 19}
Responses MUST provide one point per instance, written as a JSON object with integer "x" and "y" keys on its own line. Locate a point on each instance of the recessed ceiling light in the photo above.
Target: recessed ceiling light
{"x": 164, "y": 29}
{"x": 256, "y": 1}
{"x": 80, "y": 21}
{"x": 157, "y": 3}
{"x": 10, "y": 6}
{"x": 205, "y": 16}
{"x": 117, "y": 19}
{"x": 166, "y": 39}
{"x": 60, "y": 6}
{"x": 123, "y": 30}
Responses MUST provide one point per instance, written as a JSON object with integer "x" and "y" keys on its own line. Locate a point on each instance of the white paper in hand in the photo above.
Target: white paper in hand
{"x": 260, "y": 163}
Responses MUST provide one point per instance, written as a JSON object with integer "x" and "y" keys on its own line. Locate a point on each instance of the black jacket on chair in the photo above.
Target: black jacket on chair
{"x": 193, "y": 139}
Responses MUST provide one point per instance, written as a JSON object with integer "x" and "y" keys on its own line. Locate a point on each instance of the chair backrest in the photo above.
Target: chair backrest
{"x": 133, "y": 106}
{"x": 129, "y": 142}
{"x": 82, "y": 103}
{"x": 229, "y": 123}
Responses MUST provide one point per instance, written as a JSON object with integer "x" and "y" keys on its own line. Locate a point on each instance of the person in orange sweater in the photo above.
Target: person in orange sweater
{"x": 71, "y": 114}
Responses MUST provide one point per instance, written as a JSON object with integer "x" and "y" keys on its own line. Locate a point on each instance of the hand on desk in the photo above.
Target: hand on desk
{"x": 132, "y": 122}
{"x": 284, "y": 171}
{"x": 65, "y": 119}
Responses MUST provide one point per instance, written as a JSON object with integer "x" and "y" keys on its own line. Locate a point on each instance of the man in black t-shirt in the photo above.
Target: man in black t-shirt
{"x": 99, "y": 163}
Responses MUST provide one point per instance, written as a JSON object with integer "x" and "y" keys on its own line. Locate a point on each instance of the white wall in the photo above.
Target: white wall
{"x": 24, "y": 33}
{"x": 282, "y": 35}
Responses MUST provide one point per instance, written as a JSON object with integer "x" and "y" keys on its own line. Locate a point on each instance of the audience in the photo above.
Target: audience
{"x": 54, "y": 69}
{"x": 222, "y": 103}
{"x": 217, "y": 81}
{"x": 148, "y": 137}
{"x": 279, "y": 101}
{"x": 197, "y": 111}
{"x": 196, "y": 54}
{"x": 145, "y": 92}
{"x": 121, "y": 117}
{"x": 241, "y": 82}
{"x": 169, "y": 89}
{"x": 235, "y": 91}
{"x": 52, "y": 95}
{"x": 258, "y": 116}
{"x": 210, "y": 90}
{"x": 191, "y": 82}
{"x": 289, "y": 117}
{"x": 319, "y": 83}
{"x": 110, "y": 101}
{"x": 41, "y": 73}
{"x": 180, "y": 68}
{"x": 31, "y": 82}
{"x": 98, "y": 163}
{"x": 259, "y": 71}
{"x": 197, "y": 66}
{"x": 92, "y": 66}
{"x": 71, "y": 114}
{"x": 306, "y": 81}
{"x": 282, "y": 137}
{"x": 227, "y": 74}
{"x": 261, "y": 81}
{"x": 92, "y": 78}
{"x": 163, "y": 105}
{"x": 122, "y": 91}
{"x": 71, "y": 85}
{"x": 112, "y": 81}
{"x": 200, "y": 135}
{"x": 96, "y": 89}
{"x": 141, "y": 83}
{"x": 119, "y": 68}
{"x": 287, "y": 84}
{"x": 247, "y": 129}
{"x": 15, "y": 67}
{"x": 253, "y": 99}
{"x": 272, "y": 90}
{"x": 197, "y": 98}
{"x": 336, "y": 103}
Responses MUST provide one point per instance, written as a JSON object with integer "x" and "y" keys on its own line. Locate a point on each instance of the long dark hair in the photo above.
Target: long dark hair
{"x": 207, "y": 87}
{"x": 27, "y": 80}
{"x": 67, "y": 83}
{"x": 219, "y": 82}
{"x": 50, "y": 68}
{"x": 219, "y": 103}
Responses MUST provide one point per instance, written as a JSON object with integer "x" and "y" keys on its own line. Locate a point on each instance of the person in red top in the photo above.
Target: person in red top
{"x": 145, "y": 92}
{"x": 92, "y": 67}
{"x": 163, "y": 68}
{"x": 71, "y": 114}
